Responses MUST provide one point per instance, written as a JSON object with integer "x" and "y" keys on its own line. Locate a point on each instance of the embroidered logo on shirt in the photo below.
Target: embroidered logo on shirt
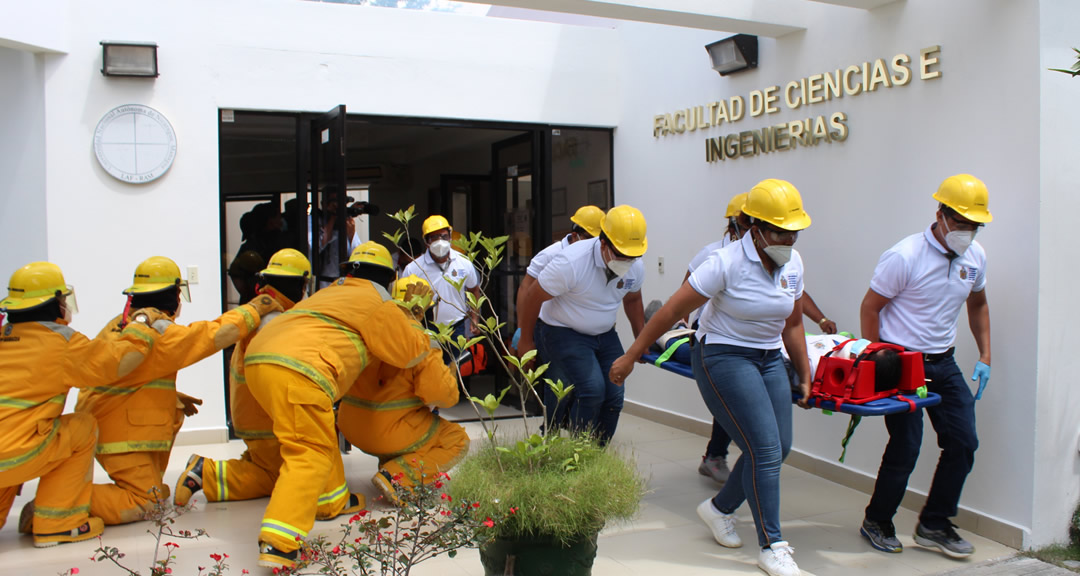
{"x": 453, "y": 273}
{"x": 963, "y": 273}
{"x": 620, "y": 285}
{"x": 783, "y": 282}
{"x": 972, "y": 272}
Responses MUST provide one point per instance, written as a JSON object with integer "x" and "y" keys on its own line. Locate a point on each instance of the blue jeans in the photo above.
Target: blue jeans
{"x": 583, "y": 361}
{"x": 954, "y": 422}
{"x": 748, "y": 392}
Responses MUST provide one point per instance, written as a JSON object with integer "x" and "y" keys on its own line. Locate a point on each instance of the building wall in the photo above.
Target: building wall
{"x": 864, "y": 195}
{"x": 1056, "y": 463}
{"x": 38, "y": 26}
{"x": 300, "y": 56}
{"x": 22, "y": 160}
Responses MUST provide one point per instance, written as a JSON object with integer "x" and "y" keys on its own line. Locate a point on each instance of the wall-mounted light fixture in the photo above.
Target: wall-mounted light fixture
{"x": 733, "y": 54}
{"x": 129, "y": 59}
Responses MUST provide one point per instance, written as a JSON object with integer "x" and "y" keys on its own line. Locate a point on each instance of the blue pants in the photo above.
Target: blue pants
{"x": 748, "y": 392}
{"x": 583, "y": 361}
{"x": 954, "y": 422}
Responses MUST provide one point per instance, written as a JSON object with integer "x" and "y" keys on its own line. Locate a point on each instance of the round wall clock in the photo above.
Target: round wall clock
{"x": 135, "y": 143}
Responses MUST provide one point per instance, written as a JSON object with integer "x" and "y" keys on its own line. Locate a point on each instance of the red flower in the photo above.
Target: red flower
{"x": 475, "y": 504}
{"x": 489, "y": 523}
{"x": 277, "y": 570}
{"x": 513, "y": 510}
{"x": 74, "y": 571}
{"x": 438, "y": 484}
{"x": 168, "y": 570}
{"x": 225, "y": 555}
{"x": 171, "y": 545}
{"x": 398, "y": 476}
{"x": 446, "y": 497}
{"x": 216, "y": 557}
{"x": 244, "y": 571}
{"x": 336, "y": 550}
{"x": 362, "y": 513}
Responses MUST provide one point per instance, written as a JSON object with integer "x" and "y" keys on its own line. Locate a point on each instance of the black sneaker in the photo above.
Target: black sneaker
{"x": 270, "y": 557}
{"x": 882, "y": 536}
{"x": 945, "y": 539}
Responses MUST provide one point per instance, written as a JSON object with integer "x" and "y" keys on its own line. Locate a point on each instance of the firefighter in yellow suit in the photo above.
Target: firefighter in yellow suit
{"x": 285, "y": 279}
{"x": 300, "y": 364}
{"x": 139, "y": 415}
{"x": 41, "y": 358}
{"x": 387, "y": 413}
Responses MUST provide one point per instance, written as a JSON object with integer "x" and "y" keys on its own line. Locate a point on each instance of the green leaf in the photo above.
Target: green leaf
{"x": 472, "y": 341}
{"x": 528, "y": 356}
{"x": 451, "y": 553}
{"x": 513, "y": 360}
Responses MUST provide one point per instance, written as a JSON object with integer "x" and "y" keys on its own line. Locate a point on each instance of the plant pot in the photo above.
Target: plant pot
{"x": 538, "y": 557}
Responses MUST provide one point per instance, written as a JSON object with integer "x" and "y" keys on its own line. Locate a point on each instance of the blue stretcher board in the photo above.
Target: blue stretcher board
{"x": 874, "y": 408}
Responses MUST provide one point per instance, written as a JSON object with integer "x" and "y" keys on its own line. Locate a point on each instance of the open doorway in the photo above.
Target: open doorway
{"x": 283, "y": 174}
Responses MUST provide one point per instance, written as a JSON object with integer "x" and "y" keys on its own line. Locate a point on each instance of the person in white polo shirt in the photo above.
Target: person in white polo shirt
{"x": 570, "y": 315}
{"x": 586, "y": 225}
{"x": 443, "y": 267}
{"x": 714, "y": 462}
{"x": 751, "y": 290}
{"x": 914, "y": 300}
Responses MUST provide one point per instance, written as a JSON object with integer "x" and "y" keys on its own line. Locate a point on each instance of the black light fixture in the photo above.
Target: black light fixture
{"x": 137, "y": 59}
{"x": 733, "y": 54}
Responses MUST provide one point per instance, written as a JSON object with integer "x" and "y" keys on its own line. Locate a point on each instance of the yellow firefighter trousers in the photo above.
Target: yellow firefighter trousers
{"x": 422, "y": 461}
{"x": 66, "y": 469}
{"x": 251, "y": 476}
{"x": 312, "y": 474}
{"x": 134, "y": 476}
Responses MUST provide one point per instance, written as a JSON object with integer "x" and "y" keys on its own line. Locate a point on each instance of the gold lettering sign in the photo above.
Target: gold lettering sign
{"x": 809, "y": 91}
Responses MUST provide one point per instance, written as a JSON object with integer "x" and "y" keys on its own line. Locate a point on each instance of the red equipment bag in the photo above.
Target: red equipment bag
{"x": 474, "y": 360}
{"x": 845, "y": 380}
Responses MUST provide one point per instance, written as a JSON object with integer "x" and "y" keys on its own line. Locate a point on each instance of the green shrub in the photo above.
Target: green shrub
{"x": 558, "y": 488}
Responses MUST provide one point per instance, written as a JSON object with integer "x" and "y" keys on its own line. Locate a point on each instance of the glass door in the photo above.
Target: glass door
{"x": 332, "y": 231}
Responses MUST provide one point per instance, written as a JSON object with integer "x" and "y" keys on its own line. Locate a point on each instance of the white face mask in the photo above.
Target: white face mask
{"x": 778, "y": 253}
{"x": 619, "y": 267}
{"x": 958, "y": 240}
{"x": 440, "y": 248}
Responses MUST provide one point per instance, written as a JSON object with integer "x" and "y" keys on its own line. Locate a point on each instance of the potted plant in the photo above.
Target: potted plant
{"x": 554, "y": 491}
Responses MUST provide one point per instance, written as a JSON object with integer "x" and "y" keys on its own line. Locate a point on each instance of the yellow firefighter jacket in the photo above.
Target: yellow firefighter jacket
{"x": 249, "y": 420}
{"x": 387, "y": 412}
{"x": 333, "y": 336}
{"x": 39, "y": 363}
{"x": 136, "y": 413}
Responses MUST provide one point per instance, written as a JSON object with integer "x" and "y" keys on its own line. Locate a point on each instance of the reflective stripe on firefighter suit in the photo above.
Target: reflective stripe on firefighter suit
{"x": 297, "y": 367}
{"x": 39, "y": 363}
{"x": 387, "y": 414}
{"x": 254, "y": 473}
{"x": 139, "y": 415}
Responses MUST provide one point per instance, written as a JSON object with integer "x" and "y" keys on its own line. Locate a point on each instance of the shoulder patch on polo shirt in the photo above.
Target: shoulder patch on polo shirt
{"x": 969, "y": 273}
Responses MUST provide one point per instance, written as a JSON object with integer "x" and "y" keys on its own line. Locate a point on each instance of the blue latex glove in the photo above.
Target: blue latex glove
{"x": 982, "y": 374}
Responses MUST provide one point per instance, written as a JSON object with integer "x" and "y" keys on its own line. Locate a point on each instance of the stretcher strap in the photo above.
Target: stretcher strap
{"x": 852, "y": 425}
{"x": 671, "y": 350}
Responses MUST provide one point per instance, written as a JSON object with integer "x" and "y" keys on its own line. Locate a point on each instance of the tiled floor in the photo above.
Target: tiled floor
{"x": 820, "y": 519}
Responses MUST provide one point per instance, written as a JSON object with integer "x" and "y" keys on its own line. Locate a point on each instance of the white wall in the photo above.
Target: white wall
{"x": 273, "y": 55}
{"x": 1056, "y": 463}
{"x": 863, "y": 194}
{"x": 36, "y": 26}
{"x": 22, "y": 161}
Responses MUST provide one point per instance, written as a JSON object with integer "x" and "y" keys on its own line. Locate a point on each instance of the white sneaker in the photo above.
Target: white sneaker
{"x": 776, "y": 560}
{"x": 722, "y": 525}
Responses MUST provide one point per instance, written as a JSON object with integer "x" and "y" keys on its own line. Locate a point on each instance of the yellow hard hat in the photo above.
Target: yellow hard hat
{"x": 588, "y": 217}
{"x": 371, "y": 252}
{"x": 158, "y": 273}
{"x": 777, "y": 202}
{"x": 36, "y": 284}
{"x": 734, "y": 208}
{"x": 288, "y": 262}
{"x": 624, "y": 226}
{"x": 419, "y": 296}
{"x": 434, "y": 223}
{"x": 966, "y": 195}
